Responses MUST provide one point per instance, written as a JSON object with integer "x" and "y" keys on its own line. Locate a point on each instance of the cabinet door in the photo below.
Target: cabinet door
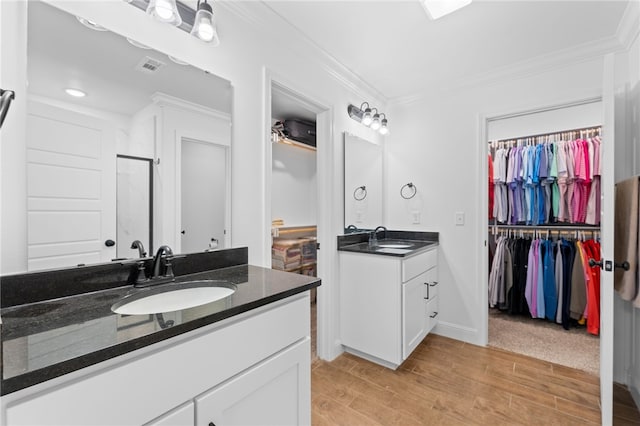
{"x": 277, "y": 391}
{"x": 181, "y": 416}
{"x": 431, "y": 299}
{"x": 413, "y": 318}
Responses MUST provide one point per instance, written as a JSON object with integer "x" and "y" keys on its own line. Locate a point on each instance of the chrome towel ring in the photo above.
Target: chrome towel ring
{"x": 407, "y": 195}
{"x": 360, "y": 193}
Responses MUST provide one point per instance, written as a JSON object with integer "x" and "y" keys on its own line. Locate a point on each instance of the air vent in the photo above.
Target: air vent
{"x": 149, "y": 65}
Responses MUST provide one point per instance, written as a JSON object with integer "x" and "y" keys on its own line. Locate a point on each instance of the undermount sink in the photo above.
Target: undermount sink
{"x": 392, "y": 250}
{"x": 395, "y": 246}
{"x": 173, "y": 297}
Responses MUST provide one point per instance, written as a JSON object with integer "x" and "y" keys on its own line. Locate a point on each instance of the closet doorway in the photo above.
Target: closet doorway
{"x": 294, "y": 188}
{"x": 516, "y": 328}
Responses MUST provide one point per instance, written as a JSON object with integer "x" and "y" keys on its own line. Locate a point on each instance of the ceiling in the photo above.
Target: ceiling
{"x": 63, "y": 53}
{"x": 397, "y": 49}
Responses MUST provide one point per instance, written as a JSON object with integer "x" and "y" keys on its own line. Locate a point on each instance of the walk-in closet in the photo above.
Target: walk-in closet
{"x": 294, "y": 191}
{"x": 544, "y": 230}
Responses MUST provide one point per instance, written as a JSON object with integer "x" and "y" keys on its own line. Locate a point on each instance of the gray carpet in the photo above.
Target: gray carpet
{"x": 545, "y": 340}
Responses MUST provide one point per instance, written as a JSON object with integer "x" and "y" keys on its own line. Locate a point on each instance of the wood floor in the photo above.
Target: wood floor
{"x": 450, "y": 382}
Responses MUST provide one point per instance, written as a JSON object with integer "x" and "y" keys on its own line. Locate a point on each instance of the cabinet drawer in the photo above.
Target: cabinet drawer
{"x": 416, "y": 265}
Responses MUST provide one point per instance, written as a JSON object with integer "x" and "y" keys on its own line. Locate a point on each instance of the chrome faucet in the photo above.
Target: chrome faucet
{"x": 137, "y": 244}
{"x": 167, "y": 253}
{"x": 373, "y": 237}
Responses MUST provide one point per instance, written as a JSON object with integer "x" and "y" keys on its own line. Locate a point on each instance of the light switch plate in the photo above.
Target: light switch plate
{"x": 459, "y": 218}
{"x": 416, "y": 216}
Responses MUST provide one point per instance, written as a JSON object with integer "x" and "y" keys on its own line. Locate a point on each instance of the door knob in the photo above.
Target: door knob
{"x": 182, "y": 232}
{"x": 624, "y": 265}
{"x": 109, "y": 243}
{"x": 593, "y": 262}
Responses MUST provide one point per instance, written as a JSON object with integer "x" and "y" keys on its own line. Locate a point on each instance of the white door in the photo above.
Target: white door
{"x": 203, "y": 187}
{"x": 607, "y": 239}
{"x": 71, "y": 190}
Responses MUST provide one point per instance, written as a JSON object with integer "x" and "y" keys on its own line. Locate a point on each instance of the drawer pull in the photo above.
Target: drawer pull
{"x": 433, "y": 315}
{"x": 433, "y": 284}
{"x": 212, "y": 424}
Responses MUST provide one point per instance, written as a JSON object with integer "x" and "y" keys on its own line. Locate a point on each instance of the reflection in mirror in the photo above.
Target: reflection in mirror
{"x": 134, "y": 205}
{"x": 362, "y": 183}
{"x": 137, "y": 102}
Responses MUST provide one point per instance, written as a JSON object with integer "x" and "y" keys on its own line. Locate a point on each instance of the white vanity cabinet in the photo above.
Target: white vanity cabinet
{"x": 252, "y": 368}
{"x": 388, "y": 304}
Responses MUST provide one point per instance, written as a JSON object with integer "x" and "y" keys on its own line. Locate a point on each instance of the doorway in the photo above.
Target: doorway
{"x": 295, "y": 184}
{"x": 203, "y": 183}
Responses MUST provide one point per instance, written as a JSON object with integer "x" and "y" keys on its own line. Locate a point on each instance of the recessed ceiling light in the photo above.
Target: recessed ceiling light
{"x": 178, "y": 61}
{"x": 137, "y": 43}
{"x": 439, "y": 8}
{"x": 76, "y": 93}
{"x": 90, "y": 24}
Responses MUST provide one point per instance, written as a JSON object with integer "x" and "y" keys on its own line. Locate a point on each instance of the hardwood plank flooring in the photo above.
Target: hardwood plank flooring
{"x": 450, "y": 382}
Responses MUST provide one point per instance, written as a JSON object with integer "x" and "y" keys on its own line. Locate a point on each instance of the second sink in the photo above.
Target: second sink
{"x": 173, "y": 297}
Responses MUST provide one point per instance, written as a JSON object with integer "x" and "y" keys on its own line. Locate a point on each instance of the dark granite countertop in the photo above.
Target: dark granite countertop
{"x": 46, "y": 339}
{"x": 394, "y": 243}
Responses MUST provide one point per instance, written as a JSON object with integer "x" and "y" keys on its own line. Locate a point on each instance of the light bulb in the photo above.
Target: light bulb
{"x": 383, "y": 127}
{"x": 375, "y": 123}
{"x": 164, "y": 10}
{"x": 204, "y": 26}
{"x": 366, "y": 117}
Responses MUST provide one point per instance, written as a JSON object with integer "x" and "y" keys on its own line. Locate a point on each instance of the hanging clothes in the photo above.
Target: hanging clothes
{"x": 547, "y": 279}
{"x": 548, "y": 182}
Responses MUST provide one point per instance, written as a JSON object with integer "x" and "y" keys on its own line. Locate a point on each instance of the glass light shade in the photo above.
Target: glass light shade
{"x": 165, "y": 11}
{"x": 375, "y": 123}
{"x": 366, "y": 117}
{"x": 383, "y": 127}
{"x": 204, "y": 26}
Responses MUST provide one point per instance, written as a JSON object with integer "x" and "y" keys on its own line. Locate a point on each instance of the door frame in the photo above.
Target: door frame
{"x": 482, "y": 187}
{"x": 180, "y": 137}
{"x": 327, "y": 298}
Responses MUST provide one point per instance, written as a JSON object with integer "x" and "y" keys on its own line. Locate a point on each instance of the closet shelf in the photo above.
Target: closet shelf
{"x": 548, "y": 227}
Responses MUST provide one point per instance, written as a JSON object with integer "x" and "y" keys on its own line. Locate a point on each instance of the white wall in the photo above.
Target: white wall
{"x": 436, "y": 144}
{"x": 293, "y": 185}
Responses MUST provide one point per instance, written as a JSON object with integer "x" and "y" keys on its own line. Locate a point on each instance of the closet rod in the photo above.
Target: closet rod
{"x": 548, "y": 227}
{"x": 583, "y": 129}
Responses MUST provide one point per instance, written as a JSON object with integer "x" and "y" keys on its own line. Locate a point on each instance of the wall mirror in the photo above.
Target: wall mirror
{"x": 362, "y": 183}
{"x": 137, "y": 103}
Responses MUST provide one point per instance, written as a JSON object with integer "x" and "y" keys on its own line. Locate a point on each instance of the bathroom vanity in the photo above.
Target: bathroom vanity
{"x": 389, "y": 294}
{"x": 244, "y": 359}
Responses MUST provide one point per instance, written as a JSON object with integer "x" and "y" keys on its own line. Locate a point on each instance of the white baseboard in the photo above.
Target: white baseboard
{"x": 458, "y": 332}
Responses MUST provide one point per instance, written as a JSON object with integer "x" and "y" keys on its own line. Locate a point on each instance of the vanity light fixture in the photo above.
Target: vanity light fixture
{"x": 201, "y": 23}
{"x": 204, "y": 25}
{"x": 165, "y": 11}
{"x": 76, "y": 93}
{"x": 364, "y": 115}
{"x": 438, "y": 8}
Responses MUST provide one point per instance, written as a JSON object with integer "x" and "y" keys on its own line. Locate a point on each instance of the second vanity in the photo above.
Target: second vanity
{"x": 244, "y": 359}
{"x": 388, "y": 293}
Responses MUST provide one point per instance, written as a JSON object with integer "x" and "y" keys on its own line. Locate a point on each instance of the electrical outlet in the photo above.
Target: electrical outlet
{"x": 416, "y": 216}
{"x": 459, "y": 218}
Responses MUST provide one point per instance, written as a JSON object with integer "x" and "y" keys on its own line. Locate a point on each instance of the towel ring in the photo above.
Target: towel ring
{"x": 412, "y": 187}
{"x": 360, "y": 190}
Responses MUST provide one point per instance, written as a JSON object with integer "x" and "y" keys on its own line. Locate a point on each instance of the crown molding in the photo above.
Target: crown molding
{"x": 260, "y": 16}
{"x": 164, "y": 100}
{"x": 629, "y": 27}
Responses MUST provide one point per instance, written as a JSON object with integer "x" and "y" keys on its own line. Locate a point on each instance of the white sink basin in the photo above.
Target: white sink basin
{"x": 173, "y": 297}
{"x": 394, "y": 246}
{"x": 392, "y": 250}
